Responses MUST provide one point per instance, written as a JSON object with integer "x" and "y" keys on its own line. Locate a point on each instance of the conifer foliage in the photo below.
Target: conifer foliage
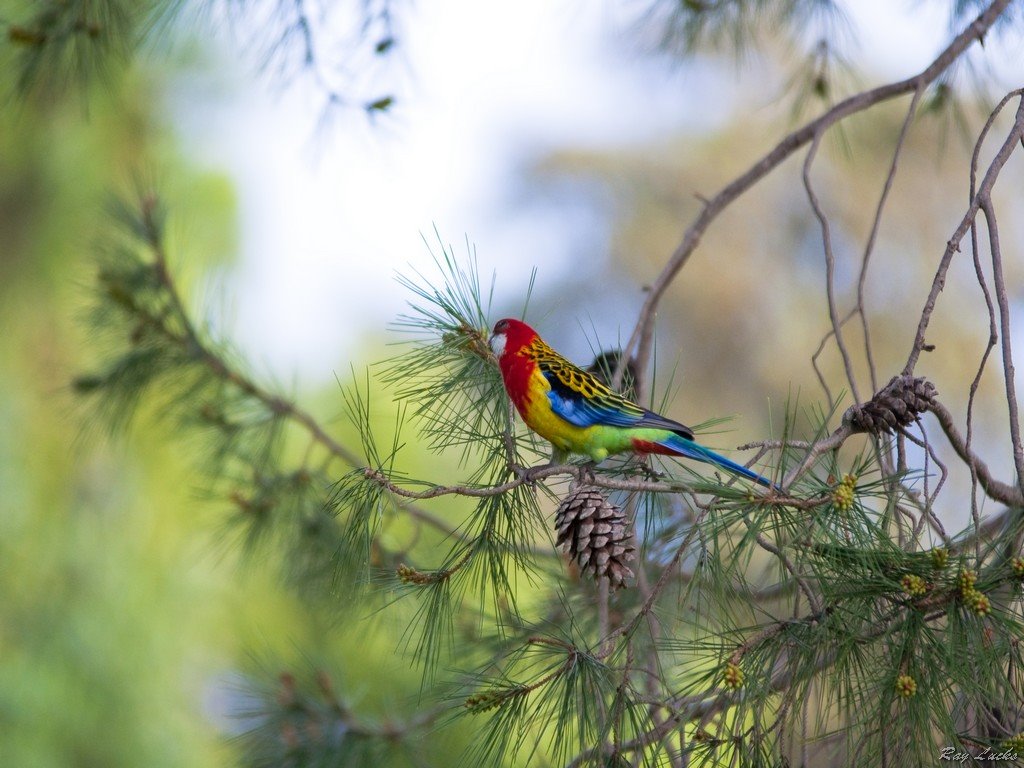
{"x": 689, "y": 619}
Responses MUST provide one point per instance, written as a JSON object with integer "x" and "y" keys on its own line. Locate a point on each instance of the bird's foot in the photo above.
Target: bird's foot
{"x": 587, "y": 475}
{"x": 651, "y": 473}
{"x": 531, "y": 475}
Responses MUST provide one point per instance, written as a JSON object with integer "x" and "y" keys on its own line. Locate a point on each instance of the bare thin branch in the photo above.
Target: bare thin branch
{"x": 994, "y": 489}
{"x": 641, "y": 338}
{"x": 953, "y": 246}
{"x": 830, "y": 272}
{"x": 1004, "y": 317}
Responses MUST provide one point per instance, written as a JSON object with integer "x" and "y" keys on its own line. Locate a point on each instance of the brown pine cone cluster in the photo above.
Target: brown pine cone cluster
{"x": 897, "y": 404}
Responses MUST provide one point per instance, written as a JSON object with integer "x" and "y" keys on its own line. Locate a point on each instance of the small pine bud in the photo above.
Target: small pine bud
{"x": 481, "y": 702}
{"x": 1015, "y": 743}
{"x": 489, "y": 699}
{"x": 469, "y": 339}
{"x": 1018, "y": 567}
{"x": 733, "y": 677}
{"x": 940, "y": 558}
{"x": 940, "y": 98}
{"x": 290, "y": 736}
{"x": 978, "y": 602}
{"x": 24, "y": 36}
{"x": 906, "y": 686}
{"x": 323, "y": 682}
{"x": 409, "y": 575}
{"x": 382, "y": 104}
{"x": 83, "y": 385}
{"x": 914, "y": 585}
{"x": 965, "y": 582}
{"x": 820, "y": 86}
{"x": 287, "y": 696}
{"x": 843, "y": 494}
{"x": 241, "y": 501}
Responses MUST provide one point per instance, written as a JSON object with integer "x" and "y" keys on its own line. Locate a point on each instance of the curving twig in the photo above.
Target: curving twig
{"x": 830, "y": 282}
{"x": 994, "y": 489}
{"x": 953, "y": 245}
{"x": 642, "y": 336}
{"x": 1004, "y": 314}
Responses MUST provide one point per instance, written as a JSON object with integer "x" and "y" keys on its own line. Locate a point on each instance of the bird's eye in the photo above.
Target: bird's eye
{"x": 501, "y": 327}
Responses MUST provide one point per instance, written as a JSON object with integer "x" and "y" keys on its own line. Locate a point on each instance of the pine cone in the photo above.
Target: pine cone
{"x": 594, "y": 532}
{"x": 897, "y": 404}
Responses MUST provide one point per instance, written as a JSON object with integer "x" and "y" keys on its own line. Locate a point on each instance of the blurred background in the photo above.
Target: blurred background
{"x": 567, "y": 137}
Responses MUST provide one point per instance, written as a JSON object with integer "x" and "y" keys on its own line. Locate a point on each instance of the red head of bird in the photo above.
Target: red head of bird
{"x": 510, "y": 337}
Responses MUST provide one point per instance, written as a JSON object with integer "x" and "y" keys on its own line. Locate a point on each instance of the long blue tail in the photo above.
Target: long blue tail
{"x": 692, "y": 450}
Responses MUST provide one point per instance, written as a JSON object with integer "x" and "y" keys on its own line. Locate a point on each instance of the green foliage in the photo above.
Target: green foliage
{"x": 813, "y": 35}
{"x": 836, "y": 622}
{"x": 847, "y": 654}
{"x": 58, "y": 43}
{"x": 828, "y": 594}
{"x": 449, "y": 363}
{"x": 690, "y": 25}
{"x": 549, "y": 690}
{"x": 306, "y": 723}
{"x": 110, "y": 625}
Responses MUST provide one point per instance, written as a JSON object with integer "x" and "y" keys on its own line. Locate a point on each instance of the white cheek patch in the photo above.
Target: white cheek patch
{"x": 498, "y": 344}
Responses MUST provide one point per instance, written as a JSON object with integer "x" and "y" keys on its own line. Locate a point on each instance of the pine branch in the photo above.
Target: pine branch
{"x": 309, "y": 722}
{"x": 641, "y": 339}
{"x": 835, "y": 538}
{"x": 701, "y": 706}
{"x": 168, "y": 353}
{"x": 829, "y": 597}
{"x": 567, "y": 695}
{"x": 530, "y": 476}
{"x": 64, "y": 41}
{"x": 994, "y": 489}
{"x": 312, "y": 40}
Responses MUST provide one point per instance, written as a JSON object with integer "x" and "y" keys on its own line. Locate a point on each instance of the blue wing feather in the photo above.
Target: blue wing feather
{"x": 575, "y": 409}
{"x": 585, "y": 401}
{"x": 603, "y": 407}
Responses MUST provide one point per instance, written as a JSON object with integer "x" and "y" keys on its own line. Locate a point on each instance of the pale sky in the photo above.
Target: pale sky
{"x": 327, "y": 220}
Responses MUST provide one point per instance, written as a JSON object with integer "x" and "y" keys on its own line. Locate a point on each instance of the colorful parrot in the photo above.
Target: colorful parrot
{"x": 577, "y": 413}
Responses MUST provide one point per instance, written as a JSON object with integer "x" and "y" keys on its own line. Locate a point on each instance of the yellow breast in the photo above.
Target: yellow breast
{"x": 539, "y": 416}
